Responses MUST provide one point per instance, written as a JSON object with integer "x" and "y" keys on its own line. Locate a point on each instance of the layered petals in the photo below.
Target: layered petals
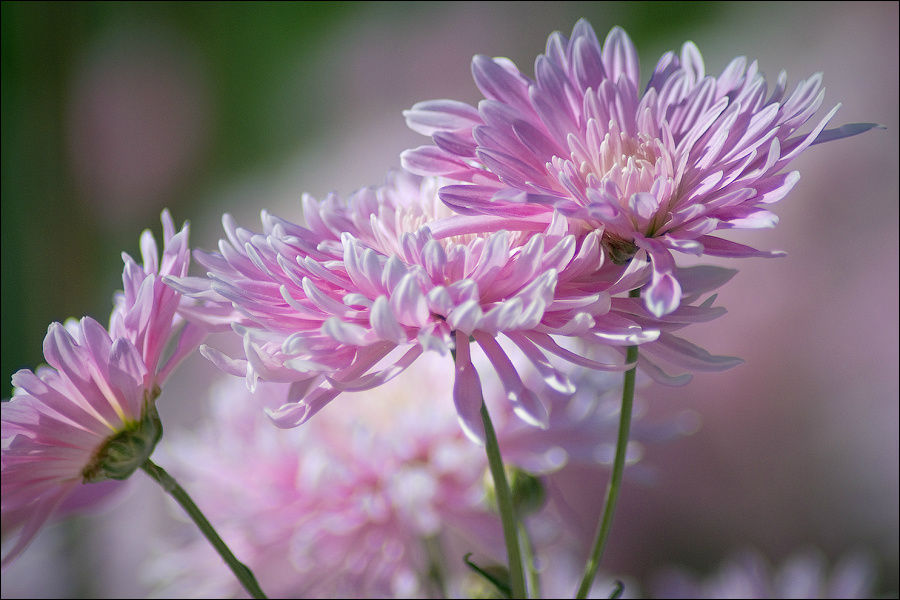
{"x": 100, "y": 385}
{"x": 355, "y": 296}
{"x": 148, "y": 312}
{"x": 691, "y": 155}
{"x": 60, "y": 417}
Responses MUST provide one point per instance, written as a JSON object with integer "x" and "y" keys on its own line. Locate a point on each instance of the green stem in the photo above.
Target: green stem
{"x": 435, "y": 571}
{"x": 240, "y": 570}
{"x": 534, "y": 578}
{"x": 615, "y": 479}
{"x": 505, "y": 505}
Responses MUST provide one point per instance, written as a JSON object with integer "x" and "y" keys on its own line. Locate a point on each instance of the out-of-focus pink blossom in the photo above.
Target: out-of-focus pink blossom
{"x": 63, "y": 421}
{"x": 749, "y": 575}
{"x": 138, "y": 116}
{"x": 355, "y": 297}
{"x": 658, "y": 171}
{"x": 380, "y": 491}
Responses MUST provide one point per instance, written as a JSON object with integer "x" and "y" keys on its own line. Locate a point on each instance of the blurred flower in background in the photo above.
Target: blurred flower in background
{"x": 137, "y": 119}
{"x": 349, "y": 507}
{"x": 380, "y": 496}
{"x": 799, "y": 444}
{"x": 749, "y": 575}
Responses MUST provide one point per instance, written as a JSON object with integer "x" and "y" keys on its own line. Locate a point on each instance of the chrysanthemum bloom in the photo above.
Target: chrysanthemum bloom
{"x": 90, "y": 415}
{"x": 352, "y": 299}
{"x": 749, "y": 575}
{"x": 374, "y": 497}
{"x": 658, "y": 171}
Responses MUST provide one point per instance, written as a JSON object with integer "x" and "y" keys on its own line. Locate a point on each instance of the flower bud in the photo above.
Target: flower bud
{"x": 527, "y": 491}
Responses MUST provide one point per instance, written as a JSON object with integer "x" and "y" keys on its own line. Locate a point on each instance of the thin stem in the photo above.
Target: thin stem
{"x": 240, "y": 570}
{"x": 615, "y": 479}
{"x": 435, "y": 571}
{"x": 505, "y": 505}
{"x": 534, "y": 577}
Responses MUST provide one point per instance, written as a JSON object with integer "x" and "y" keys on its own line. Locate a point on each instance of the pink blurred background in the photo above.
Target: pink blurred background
{"x": 798, "y": 447}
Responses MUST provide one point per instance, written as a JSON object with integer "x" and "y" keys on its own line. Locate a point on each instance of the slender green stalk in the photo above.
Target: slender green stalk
{"x": 534, "y": 577}
{"x": 615, "y": 479}
{"x": 240, "y": 570}
{"x": 435, "y": 570}
{"x": 505, "y": 505}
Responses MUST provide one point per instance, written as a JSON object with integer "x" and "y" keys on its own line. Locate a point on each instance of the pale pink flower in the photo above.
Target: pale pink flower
{"x": 343, "y": 509}
{"x": 355, "y": 297}
{"x": 658, "y": 171}
{"x": 350, "y": 507}
{"x": 66, "y": 421}
{"x": 749, "y": 575}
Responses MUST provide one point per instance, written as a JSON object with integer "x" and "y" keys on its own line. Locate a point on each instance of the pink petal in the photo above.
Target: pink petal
{"x": 620, "y": 57}
{"x": 434, "y": 116}
{"x": 467, "y": 395}
{"x": 719, "y": 247}
{"x": 663, "y": 294}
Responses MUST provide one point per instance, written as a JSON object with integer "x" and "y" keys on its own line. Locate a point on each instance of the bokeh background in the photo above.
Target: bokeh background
{"x": 112, "y": 111}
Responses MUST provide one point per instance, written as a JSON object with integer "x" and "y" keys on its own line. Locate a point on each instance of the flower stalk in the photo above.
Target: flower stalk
{"x": 505, "y": 506}
{"x": 534, "y": 576}
{"x": 240, "y": 570}
{"x": 615, "y": 479}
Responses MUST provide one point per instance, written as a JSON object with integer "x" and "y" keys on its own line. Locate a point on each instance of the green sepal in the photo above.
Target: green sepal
{"x": 496, "y": 575}
{"x": 619, "y": 251}
{"x": 124, "y": 452}
{"x": 528, "y": 492}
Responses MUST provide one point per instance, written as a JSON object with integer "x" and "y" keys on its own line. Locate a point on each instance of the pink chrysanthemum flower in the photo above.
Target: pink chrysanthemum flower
{"x": 658, "y": 171}
{"x": 90, "y": 415}
{"x": 353, "y": 506}
{"x": 352, "y": 299}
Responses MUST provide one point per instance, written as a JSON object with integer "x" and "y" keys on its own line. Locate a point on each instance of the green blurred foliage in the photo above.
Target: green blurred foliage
{"x": 56, "y": 260}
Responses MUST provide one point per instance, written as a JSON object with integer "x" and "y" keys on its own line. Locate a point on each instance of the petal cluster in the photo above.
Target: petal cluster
{"x": 98, "y": 384}
{"x": 147, "y": 312}
{"x": 60, "y": 416}
{"x": 658, "y": 170}
{"x": 349, "y": 301}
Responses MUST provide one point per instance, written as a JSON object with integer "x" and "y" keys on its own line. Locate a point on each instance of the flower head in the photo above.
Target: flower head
{"x": 381, "y": 490}
{"x": 658, "y": 170}
{"x": 355, "y": 297}
{"x": 90, "y": 415}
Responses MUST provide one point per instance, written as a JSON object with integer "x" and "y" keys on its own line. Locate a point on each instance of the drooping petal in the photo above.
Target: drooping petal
{"x": 467, "y": 396}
